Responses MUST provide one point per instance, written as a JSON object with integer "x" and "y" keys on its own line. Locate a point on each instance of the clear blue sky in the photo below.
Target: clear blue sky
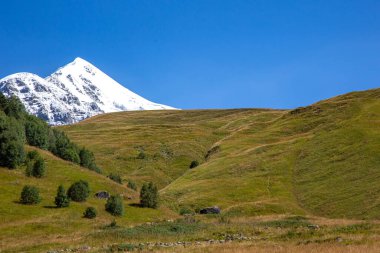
{"x": 203, "y": 53}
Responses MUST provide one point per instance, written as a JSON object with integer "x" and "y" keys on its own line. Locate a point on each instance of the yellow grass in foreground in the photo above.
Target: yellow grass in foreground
{"x": 281, "y": 248}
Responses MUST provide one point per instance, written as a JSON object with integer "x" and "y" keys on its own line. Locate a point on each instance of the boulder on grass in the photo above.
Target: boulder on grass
{"x": 102, "y": 195}
{"x": 210, "y": 210}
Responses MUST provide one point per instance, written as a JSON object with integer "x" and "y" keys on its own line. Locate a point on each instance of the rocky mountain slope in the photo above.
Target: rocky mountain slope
{"x": 74, "y": 92}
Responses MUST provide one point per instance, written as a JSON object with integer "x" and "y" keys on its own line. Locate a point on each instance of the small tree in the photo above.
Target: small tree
{"x": 115, "y": 205}
{"x": 90, "y": 213}
{"x": 149, "y": 195}
{"x": 194, "y": 164}
{"x": 79, "y": 191}
{"x": 30, "y": 195}
{"x": 38, "y": 168}
{"x": 35, "y": 165}
{"x": 132, "y": 185}
{"x": 62, "y": 200}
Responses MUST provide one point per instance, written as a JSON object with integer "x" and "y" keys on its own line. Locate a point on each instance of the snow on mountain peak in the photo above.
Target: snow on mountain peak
{"x": 74, "y": 92}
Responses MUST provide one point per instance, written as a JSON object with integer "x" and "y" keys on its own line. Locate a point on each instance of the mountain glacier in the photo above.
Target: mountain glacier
{"x": 72, "y": 93}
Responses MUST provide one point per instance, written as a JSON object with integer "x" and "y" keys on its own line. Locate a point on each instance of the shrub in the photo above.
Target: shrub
{"x": 132, "y": 185}
{"x": 90, "y": 213}
{"x": 149, "y": 195}
{"x": 115, "y": 177}
{"x": 37, "y": 132}
{"x": 62, "y": 200}
{"x": 115, "y": 205}
{"x": 32, "y": 155}
{"x": 12, "y": 140}
{"x": 71, "y": 154}
{"x": 79, "y": 191}
{"x": 38, "y": 168}
{"x": 30, "y": 195}
{"x": 87, "y": 159}
{"x": 141, "y": 155}
{"x": 35, "y": 165}
{"x": 194, "y": 164}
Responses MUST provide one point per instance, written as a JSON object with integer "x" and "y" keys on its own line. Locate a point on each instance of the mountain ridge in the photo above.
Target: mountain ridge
{"x": 72, "y": 93}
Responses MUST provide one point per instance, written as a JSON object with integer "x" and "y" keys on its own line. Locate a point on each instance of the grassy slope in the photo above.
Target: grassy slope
{"x": 322, "y": 159}
{"x": 24, "y": 226}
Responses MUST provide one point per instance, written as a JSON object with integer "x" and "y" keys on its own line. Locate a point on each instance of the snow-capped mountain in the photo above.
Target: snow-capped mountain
{"x": 74, "y": 92}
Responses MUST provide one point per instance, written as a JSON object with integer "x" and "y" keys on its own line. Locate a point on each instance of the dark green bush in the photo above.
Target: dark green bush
{"x": 115, "y": 205}
{"x": 12, "y": 140}
{"x": 90, "y": 213}
{"x": 30, "y": 195}
{"x": 32, "y": 155}
{"x": 115, "y": 177}
{"x": 194, "y": 164}
{"x": 61, "y": 200}
{"x": 79, "y": 191}
{"x": 38, "y": 168}
{"x": 149, "y": 196}
{"x": 35, "y": 165}
{"x": 37, "y": 132}
{"x": 87, "y": 160}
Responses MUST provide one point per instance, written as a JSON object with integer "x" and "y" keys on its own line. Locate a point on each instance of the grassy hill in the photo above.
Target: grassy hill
{"x": 33, "y": 226}
{"x": 322, "y": 159}
{"x": 273, "y": 173}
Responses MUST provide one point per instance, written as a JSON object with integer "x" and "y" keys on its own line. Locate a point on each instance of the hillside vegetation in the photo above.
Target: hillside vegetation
{"x": 321, "y": 159}
{"x": 284, "y": 177}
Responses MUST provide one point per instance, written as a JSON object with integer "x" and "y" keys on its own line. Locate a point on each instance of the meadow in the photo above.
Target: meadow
{"x": 302, "y": 180}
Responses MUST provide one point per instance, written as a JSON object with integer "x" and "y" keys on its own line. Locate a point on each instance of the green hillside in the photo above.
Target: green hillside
{"x": 322, "y": 159}
{"x": 272, "y": 172}
{"x": 43, "y": 224}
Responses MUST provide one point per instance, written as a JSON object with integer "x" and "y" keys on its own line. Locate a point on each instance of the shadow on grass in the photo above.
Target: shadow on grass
{"x": 135, "y": 205}
{"x": 50, "y": 207}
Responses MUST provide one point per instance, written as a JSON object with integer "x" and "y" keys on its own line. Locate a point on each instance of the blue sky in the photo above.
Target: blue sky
{"x": 203, "y": 53}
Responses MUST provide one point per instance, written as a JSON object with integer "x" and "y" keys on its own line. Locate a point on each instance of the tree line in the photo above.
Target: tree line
{"x": 18, "y": 128}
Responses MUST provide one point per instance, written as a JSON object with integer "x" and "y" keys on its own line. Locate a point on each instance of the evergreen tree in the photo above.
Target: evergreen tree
{"x": 61, "y": 200}
{"x": 38, "y": 168}
{"x": 30, "y": 195}
{"x": 149, "y": 196}
{"x": 90, "y": 213}
{"x": 79, "y": 191}
{"x": 115, "y": 205}
{"x": 37, "y": 132}
{"x": 12, "y": 139}
{"x": 87, "y": 158}
{"x": 14, "y": 108}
